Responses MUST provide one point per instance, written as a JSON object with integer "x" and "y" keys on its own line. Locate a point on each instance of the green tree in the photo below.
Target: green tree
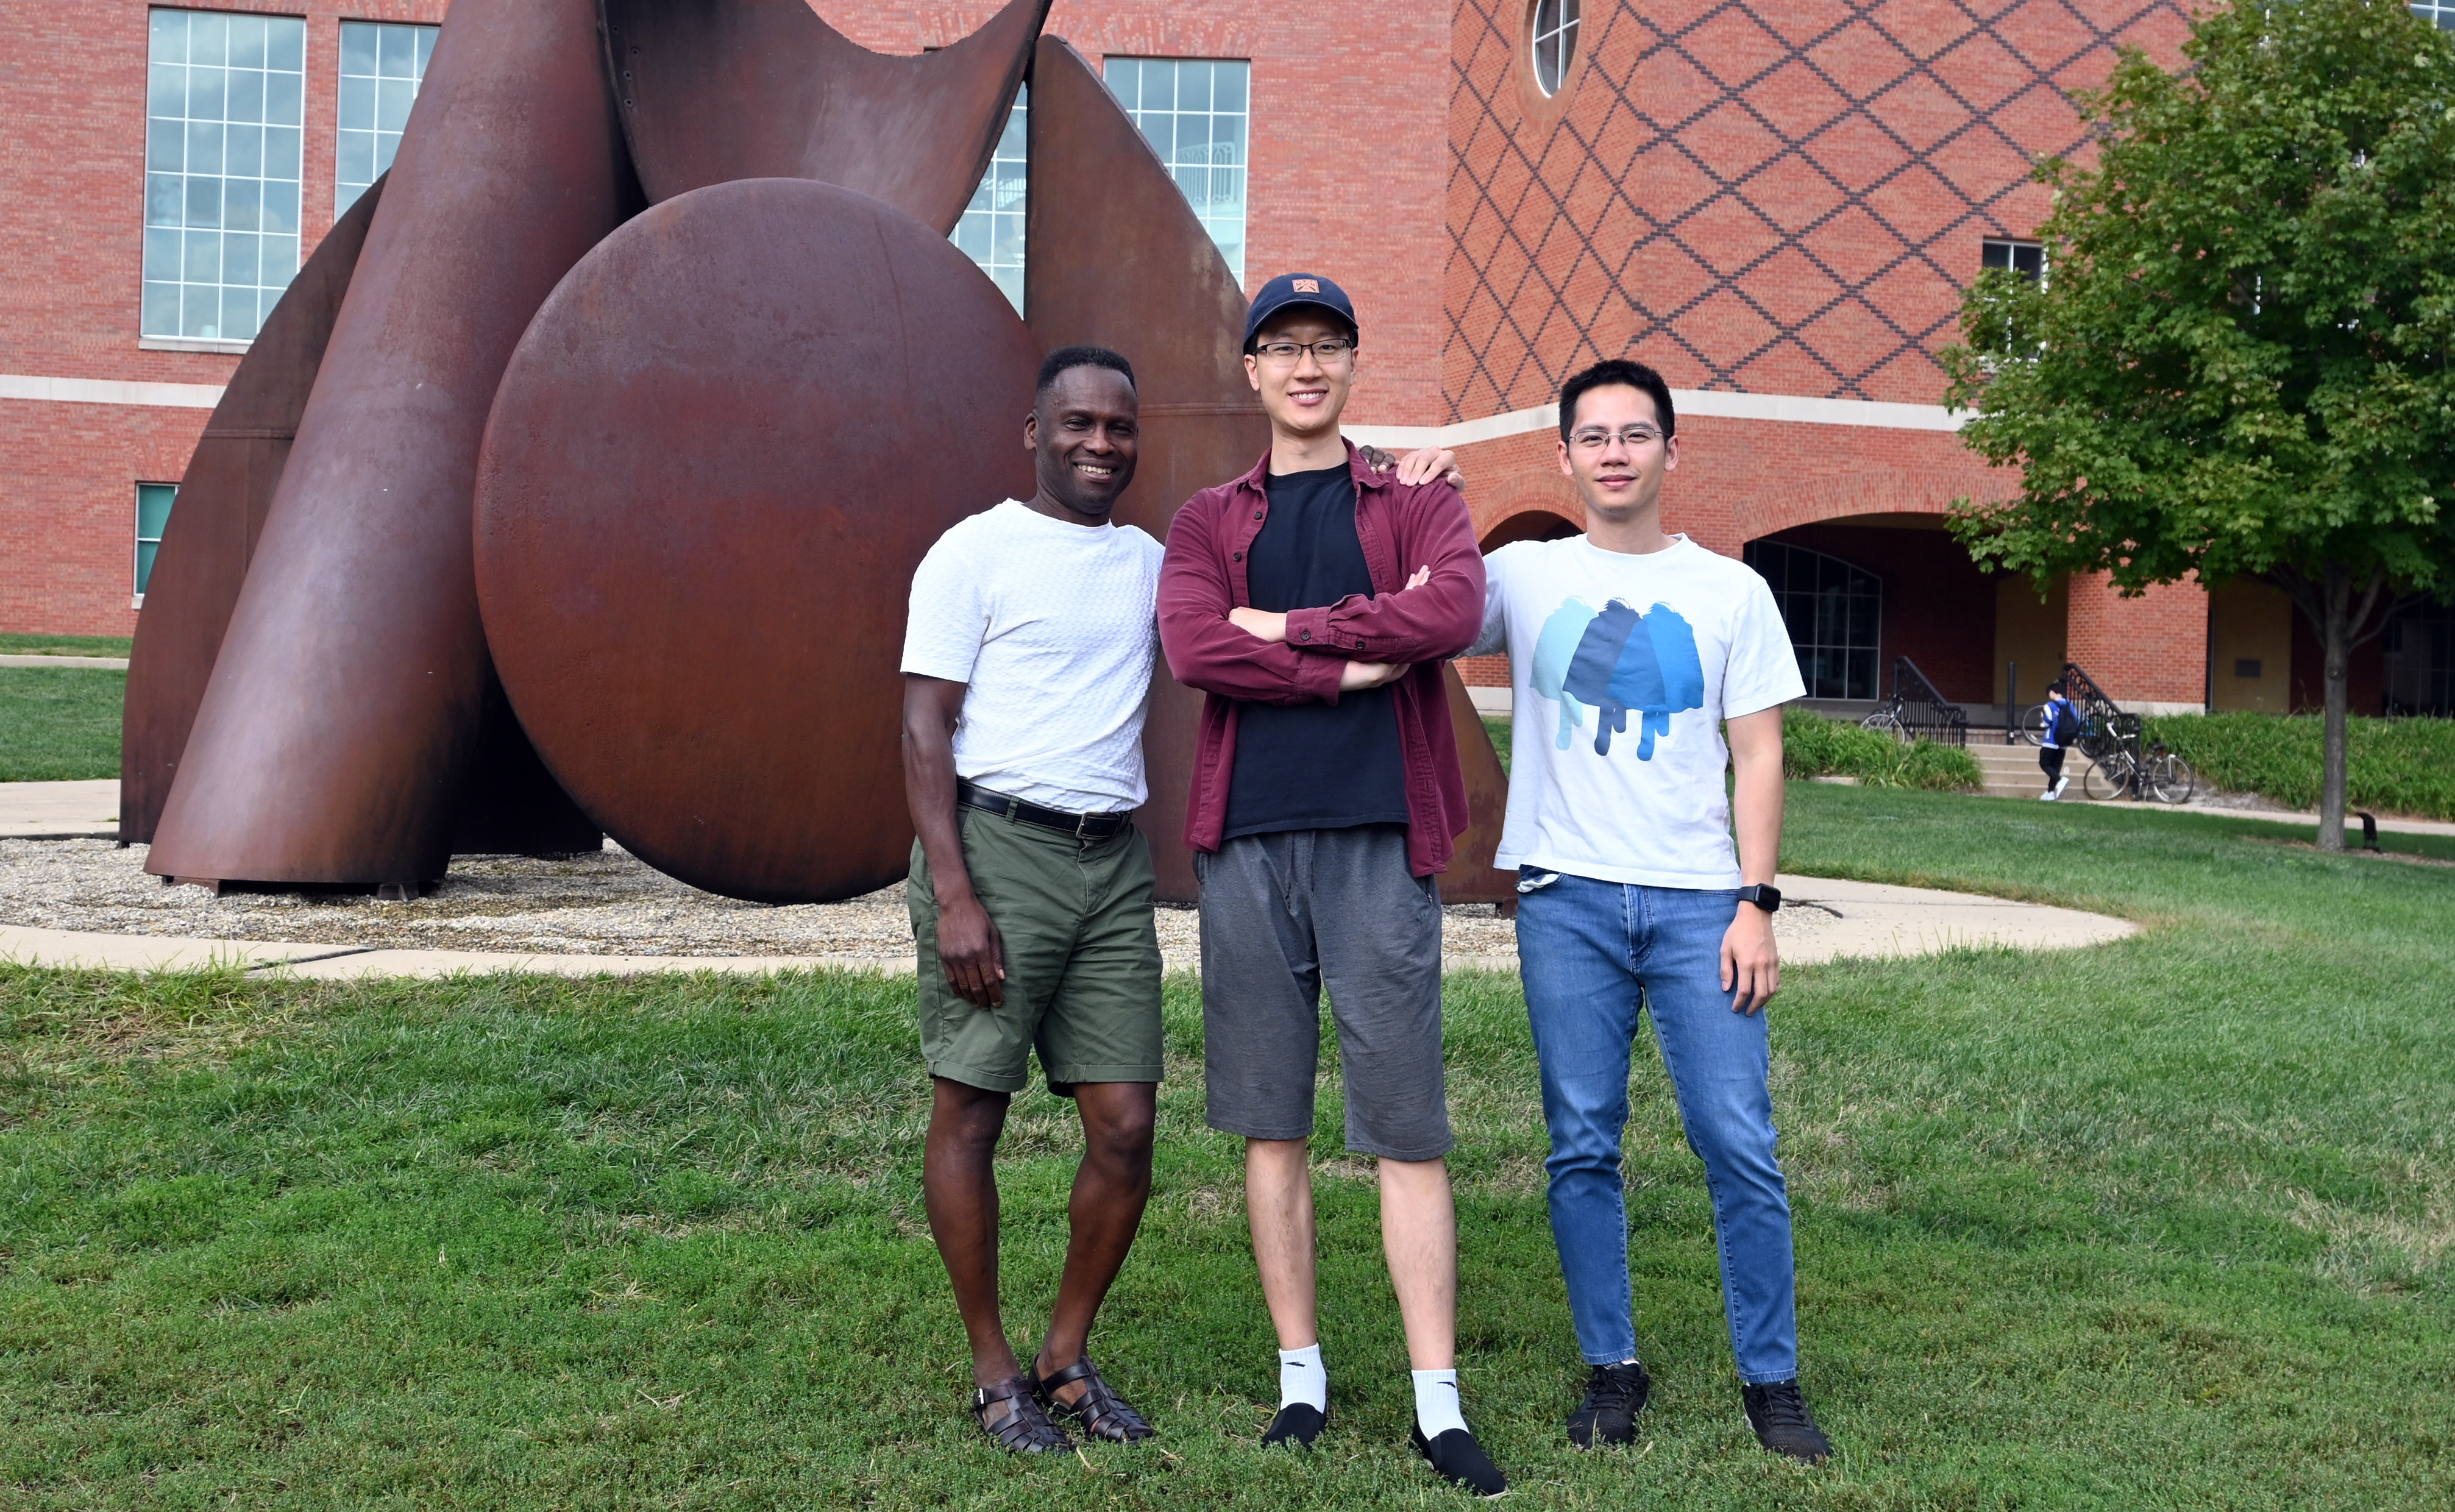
{"x": 2238, "y": 361}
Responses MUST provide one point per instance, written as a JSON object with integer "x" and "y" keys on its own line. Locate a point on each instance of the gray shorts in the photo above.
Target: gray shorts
{"x": 1283, "y": 915}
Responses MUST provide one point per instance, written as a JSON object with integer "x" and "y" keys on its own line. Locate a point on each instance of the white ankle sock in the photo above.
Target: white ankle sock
{"x": 1302, "y": 1378}
{"x": 1436, "y": 1403}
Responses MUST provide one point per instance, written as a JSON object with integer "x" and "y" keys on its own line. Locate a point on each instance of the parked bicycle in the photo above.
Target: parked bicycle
{"x": 2121, "y": 769}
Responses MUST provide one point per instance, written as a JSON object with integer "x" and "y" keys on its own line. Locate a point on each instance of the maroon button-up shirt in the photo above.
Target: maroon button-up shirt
{"x": 1401, "y": 529}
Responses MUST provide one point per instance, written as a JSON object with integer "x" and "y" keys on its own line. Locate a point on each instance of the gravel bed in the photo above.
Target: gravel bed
{"x": 604, "y": 902}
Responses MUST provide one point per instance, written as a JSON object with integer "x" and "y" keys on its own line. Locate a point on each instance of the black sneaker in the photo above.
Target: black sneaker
{"x": 1614, "y": 1395}
{"x": 1457, "y": 1458}
{"x": 1298, "y": 1423}
{"x": 1783, "y": 1424}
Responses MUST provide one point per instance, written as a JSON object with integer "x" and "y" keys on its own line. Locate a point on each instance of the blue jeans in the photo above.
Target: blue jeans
{"x": 1594, "y": 955}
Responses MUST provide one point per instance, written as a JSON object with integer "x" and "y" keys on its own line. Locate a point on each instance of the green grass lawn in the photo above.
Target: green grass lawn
{"x": 59, "y": 724}
{"x": 2161, "y": 1224}
{"x": 22, "y": 645}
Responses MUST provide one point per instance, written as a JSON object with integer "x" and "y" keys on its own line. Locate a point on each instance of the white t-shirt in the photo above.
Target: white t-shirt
{"x": 1623, "y": 669}
{"x": 1053, "y": 627}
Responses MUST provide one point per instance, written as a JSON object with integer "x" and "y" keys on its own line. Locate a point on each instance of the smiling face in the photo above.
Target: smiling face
{"x": 1082, "y": 434}
{"x": 1303, "y": 398}
{"x": 1615, "y": 452}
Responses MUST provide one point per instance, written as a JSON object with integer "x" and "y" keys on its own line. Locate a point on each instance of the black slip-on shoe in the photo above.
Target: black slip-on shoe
{"x": 1298, "y": 1423}
{"x": 1457, "y": 1458}
{"x": 1614, "y": 1395}
{"x": 1779, "y": 1416}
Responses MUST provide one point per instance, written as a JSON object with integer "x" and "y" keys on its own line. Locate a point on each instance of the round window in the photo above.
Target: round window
{"x": 1555, "y": 42}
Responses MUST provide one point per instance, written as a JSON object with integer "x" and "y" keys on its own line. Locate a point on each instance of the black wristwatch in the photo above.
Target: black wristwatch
{"x": 1763, "y": 895}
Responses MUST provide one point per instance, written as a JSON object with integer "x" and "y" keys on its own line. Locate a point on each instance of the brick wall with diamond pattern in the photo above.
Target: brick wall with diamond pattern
{"x": 1782, "y": 199}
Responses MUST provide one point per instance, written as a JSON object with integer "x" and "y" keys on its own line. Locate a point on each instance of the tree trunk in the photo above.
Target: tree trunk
{"x": 2335, "y": 638}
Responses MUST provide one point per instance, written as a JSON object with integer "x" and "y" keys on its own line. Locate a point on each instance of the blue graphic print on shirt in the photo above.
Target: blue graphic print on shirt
{"x": 1622, "y": 662}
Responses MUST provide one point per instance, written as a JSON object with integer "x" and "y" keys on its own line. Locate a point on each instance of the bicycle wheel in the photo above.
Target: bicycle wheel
{"x": 2171, "y": 779}
{"x": 2031, "y": 729}
{"x": 1885, "y": 721}
{"x": 2108, "y": 777}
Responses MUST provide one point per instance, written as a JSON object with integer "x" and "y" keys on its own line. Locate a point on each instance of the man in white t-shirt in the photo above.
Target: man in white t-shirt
{"x": 1630, "y": 650}
{"x": 1028, "y": 661}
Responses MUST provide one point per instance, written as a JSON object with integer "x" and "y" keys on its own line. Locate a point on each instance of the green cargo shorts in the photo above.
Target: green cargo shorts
{"x": 1081, "y": 960}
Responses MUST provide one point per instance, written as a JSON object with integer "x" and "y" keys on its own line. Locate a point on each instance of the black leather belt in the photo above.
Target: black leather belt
{"x": 1081, "y": 826}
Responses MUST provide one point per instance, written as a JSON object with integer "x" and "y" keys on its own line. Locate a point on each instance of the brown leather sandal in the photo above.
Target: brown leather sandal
{"x": 1022, "y": 1428}
{"x": 1100, "y": 1411}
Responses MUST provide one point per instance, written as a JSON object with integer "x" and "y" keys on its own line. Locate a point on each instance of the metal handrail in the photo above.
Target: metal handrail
{"x": 1922, "y": 708}
{"x": 2104, "y": 726}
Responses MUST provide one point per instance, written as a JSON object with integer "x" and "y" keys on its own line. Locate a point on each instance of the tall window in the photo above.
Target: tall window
{"x": 2442, "y": 11}
{"x": 1193, "y": 113}
{"x": 1833, "y": 612}
{"x": 2420, "y": 661}
{"x": 1555, "y": 42}
{"x": 221, "y": 171}
{"x": 152, "y": 513}
{"x": 2027, "y": 258}
{"x": 990, "y": 231}
{"x": 381, "y": 65}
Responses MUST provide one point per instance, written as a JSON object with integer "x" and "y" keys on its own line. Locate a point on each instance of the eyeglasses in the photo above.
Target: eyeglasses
{"x": 1595, "y": 438}
{"x": 1331, "y": 350}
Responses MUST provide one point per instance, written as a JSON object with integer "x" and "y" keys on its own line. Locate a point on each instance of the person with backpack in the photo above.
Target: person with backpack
{"x": 2061, "y": 729}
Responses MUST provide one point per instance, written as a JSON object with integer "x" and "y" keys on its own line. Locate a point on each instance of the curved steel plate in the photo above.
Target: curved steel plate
{"x": 727, "y": 90}
{"x": 1144, "y": 278}
{"x": 713, "y": 464}
{"x": 335, "y": 740}
{"x": 223, "y": 496}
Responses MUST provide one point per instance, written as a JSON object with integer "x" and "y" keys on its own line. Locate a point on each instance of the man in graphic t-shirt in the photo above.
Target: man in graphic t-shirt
{"x": 1026, "y": 661}
{"x": 1629, "y": 652}
{"x": 1314, "y": 601}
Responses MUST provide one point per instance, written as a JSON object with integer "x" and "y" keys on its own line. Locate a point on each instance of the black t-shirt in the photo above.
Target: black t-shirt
{"x": 1313, "y": 766}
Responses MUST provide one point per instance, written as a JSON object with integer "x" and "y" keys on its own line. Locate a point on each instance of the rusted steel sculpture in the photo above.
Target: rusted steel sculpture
{"x": 724, "y": 90}
{"x": 669, "y": 480}
{"x": 223, "y": 497}
{"x": 715, "y": 461}
{"x": 336, "y": 738}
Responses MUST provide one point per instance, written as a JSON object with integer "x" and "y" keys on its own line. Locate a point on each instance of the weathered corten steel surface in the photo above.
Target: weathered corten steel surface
{"x": 223, "y": 496}
{"x": 715, "y": 461}
{"x": 335, "y": 738}
{"x": 1139, "y": 273}
{"x": 1471, "y": 878}
{"x": 1142, "y": 275}
{"x": 725, "y": 90}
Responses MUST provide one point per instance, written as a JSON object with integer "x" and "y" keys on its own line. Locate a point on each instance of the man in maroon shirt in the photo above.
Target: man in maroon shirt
{"x": 1314, "y": 600}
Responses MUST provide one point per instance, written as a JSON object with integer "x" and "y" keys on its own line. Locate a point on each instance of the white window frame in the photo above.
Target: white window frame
{"x": 1131, "y": 85}
{"x": 380, "y": 102}
{"x": 177, "y": 142}
{"x": 139, "y": 571}
{"x": 1552, "y": 29}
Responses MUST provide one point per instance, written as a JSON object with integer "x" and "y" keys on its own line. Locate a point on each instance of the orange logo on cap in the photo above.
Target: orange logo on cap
{"x": 1307, "y": 286}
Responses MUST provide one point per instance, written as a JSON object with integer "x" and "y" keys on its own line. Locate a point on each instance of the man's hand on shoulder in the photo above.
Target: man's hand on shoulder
{"x": 1750, "y": 963}
{"x": 1427, "y": 464}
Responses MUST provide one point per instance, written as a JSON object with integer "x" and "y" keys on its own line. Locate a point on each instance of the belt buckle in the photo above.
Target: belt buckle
{"x": 1082, "y": 825}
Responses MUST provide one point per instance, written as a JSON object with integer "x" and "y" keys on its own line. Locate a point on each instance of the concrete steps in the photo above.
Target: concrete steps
{"x": 2012, "y": 770}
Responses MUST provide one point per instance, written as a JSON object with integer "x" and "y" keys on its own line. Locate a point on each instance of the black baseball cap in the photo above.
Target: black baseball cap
{"x": 1297, "y": 289}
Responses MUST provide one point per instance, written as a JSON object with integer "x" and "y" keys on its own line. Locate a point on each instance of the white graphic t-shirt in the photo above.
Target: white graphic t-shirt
{"x": 1623, "y": 669}
{"x": 1054, "y": 628}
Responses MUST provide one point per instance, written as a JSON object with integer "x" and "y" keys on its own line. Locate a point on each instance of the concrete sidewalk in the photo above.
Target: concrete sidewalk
{"x": 105, "y": 663}
{"x": 60, "y": 810}
{"x": 1822, "y": 920}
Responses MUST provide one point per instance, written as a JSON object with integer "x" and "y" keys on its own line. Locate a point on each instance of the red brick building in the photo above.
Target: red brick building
{"x": 1776, "y": 206}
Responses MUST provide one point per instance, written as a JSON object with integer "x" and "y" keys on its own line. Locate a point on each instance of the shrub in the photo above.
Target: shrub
{"x": 1813, "y": 746}
{"x": 2403, "y": 766}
